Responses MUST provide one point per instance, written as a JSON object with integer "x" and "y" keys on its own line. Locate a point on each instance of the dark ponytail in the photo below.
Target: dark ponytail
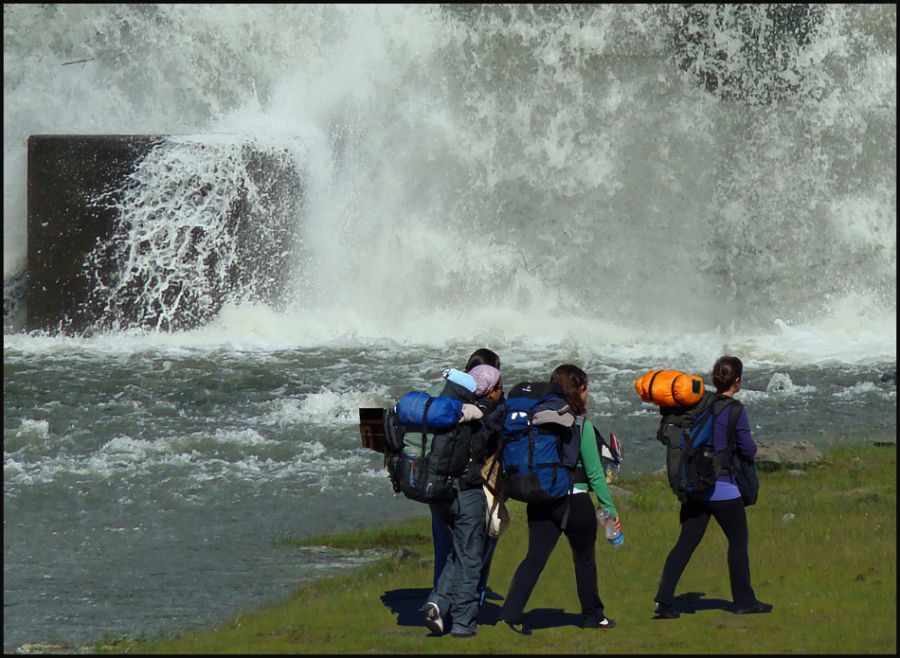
{"x": 571, "y": 380}
{"x": 726, "y": 372}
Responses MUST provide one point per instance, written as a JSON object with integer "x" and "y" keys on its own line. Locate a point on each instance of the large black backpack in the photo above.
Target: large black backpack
{"x": 423, "y": 463}
{"x": 692, "y": 464}
{"x": 702, "y": 465}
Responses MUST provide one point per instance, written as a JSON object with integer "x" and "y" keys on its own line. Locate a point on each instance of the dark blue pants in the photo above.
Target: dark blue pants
{"x": 456, "y": 591}
{"x": 694, "y": 515}
{"x": 443, "y": 542}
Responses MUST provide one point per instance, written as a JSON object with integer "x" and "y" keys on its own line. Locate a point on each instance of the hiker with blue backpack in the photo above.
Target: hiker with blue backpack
{"x": 551, "y": 461}
{"x": 712, "y": 485}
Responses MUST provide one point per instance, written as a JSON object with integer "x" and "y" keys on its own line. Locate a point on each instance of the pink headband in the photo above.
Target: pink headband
{"x": 486, "y": 378}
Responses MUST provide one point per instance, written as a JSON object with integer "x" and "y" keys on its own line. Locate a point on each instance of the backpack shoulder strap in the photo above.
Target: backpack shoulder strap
{"x": 734, "y": 414}
{"x": 425, "y": 424}
{"x": 578, "y": 428}
{"x": 722, "y": 402}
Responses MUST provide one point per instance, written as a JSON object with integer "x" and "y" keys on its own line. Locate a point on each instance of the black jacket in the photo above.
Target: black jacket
{"x": 475, "y": 434}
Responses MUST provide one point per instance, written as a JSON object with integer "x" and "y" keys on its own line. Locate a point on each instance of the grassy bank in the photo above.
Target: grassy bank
{"x": 822, "y": 548}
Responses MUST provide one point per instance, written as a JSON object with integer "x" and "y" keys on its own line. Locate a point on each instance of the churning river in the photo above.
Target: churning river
{"x": 557, "y": 183}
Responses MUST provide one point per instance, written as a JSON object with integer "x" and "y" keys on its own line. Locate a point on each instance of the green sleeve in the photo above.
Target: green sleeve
{"x": 590, "y": 457}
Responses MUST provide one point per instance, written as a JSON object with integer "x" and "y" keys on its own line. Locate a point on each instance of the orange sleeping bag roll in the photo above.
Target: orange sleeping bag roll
{"x": 670, "y": 388}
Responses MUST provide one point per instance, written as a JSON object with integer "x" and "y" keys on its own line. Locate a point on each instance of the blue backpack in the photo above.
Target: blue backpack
{"x": 537, "y": 448}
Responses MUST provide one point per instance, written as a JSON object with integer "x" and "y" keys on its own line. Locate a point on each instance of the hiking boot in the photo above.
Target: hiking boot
{"x": 606, "y": 622}
{"x": 754, "y": 608}
{"x": 433, "y": 618}
{"x": 666, "y": 612}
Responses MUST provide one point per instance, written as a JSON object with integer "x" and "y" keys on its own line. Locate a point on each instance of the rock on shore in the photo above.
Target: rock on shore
{"x": 792, "y": 453}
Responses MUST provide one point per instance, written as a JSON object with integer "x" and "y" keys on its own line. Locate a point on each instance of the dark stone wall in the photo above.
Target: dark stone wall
{"x": 65, "y": 173}
{"x": 67, "y": 220}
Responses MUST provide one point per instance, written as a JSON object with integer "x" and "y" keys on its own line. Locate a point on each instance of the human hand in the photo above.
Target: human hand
{"x": 470, "y": 412}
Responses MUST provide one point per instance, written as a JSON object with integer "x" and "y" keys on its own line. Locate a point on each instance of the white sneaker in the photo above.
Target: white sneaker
{"x": 433, "y": 618}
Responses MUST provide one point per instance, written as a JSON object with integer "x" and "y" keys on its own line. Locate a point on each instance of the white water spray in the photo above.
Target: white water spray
{"x": 564, "y": 171}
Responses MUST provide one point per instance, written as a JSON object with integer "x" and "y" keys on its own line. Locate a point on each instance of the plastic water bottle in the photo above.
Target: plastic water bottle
{"x": 613, "y": 536}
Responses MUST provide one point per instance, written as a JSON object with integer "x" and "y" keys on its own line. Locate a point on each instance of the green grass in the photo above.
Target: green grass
{"x": 830, "y": 571}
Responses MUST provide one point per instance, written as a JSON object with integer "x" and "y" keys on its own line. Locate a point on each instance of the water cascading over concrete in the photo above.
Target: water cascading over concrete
{"x": 108, "y": 252}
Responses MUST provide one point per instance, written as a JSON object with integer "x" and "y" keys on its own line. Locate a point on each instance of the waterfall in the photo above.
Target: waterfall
{"x": 666, "y": 166}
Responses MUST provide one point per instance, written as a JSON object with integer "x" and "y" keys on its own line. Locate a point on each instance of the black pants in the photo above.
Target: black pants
{"x": 544, "y": 521}
{"x": 732, "y": 518}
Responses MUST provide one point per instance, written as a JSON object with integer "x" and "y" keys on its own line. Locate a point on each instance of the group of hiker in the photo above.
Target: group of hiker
{"x": 479, "y": 445}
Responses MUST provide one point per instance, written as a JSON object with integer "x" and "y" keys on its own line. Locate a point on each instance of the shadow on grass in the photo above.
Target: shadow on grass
{"x": 539, "y": 618}
{"x": 407, "y": 604}
{"x": 691, "y": 602}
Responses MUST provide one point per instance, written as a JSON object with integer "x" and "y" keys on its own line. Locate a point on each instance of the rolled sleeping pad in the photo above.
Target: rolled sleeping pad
{"x": 670, "y": 388}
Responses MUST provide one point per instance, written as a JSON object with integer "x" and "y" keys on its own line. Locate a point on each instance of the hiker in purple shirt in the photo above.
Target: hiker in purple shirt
{"x": 725, "y": 487}
{"x": 721, "y": 501}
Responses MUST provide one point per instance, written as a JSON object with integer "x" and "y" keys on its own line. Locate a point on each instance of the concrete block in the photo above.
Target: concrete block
{"x": 70, "y": 292}
{"x": 64, "y": 173}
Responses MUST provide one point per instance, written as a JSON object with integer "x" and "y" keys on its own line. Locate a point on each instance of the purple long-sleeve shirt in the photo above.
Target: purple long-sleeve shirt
{"x": 725, "y": 488}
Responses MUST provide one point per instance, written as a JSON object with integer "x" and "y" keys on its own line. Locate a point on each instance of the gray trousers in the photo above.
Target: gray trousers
{"x": 457, "y": 588}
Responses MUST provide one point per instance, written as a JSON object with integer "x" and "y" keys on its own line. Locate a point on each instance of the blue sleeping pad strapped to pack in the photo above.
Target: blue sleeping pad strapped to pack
{"x": 415, "y": 412}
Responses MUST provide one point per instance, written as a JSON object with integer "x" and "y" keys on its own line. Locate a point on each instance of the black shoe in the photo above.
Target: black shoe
{"x": 518, "y": 628}
{"x": 666, "y": 612}
{"x": 606, "y": 622}
{"x": 756, "y": 607}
